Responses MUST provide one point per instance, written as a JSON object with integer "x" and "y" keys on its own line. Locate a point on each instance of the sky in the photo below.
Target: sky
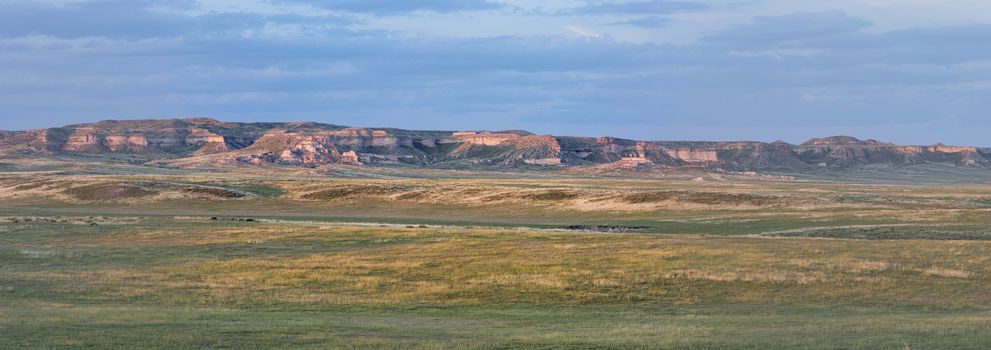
{"x": 905, "y": 71}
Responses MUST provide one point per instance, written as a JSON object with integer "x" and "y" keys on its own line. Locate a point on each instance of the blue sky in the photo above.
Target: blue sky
{"x": 907, "y": 71}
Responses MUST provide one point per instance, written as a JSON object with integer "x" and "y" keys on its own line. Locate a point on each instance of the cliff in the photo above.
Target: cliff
{"x": 847, "y": 151}
{"x": 313, "y": 144}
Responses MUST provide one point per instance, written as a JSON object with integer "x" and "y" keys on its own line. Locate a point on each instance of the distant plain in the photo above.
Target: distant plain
{"x": 130, "y": 257}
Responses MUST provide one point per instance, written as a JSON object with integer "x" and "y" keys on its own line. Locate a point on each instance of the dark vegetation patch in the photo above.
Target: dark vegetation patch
{"x": 892, "y": 233}
{"x": 605, "y": 228}
{"x": 108, "y": 192}
{"x": 650, "y": 197}
{"x": 30, "y": 186}
{"x": 981, "y": 203}
{"x": 216, "y": 189}
{"x": 261, "y": 190}
{"x": 552, "y": 195}
{"x": 853, "y": 199}
{"x": 14, "y": 180}
{"x": 88, "y": 220}
{"x": 471, "y": 191}
{"x": 354, "y": 191}
{"x": 216, "y": 218}
{"x": 215, "y": 192}
{"x": 710, "y": 198}
{"x": 412, "y": 195}
{"x": 497, "y": 197}
{"x": 543, "y": 196}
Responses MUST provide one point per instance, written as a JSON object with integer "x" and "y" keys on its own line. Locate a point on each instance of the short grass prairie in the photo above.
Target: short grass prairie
{"x": 490, "y": 264}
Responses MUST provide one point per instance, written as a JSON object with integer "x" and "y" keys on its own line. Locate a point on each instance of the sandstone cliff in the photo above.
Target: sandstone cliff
{"x": 314, "y": 144}
{"x": 848, "y": 151}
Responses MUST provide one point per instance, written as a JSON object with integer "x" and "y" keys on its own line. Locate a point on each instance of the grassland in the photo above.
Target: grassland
{"x": 195, "y": 260}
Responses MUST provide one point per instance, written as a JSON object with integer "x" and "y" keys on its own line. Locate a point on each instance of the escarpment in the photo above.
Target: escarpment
{"x": 308, "y": 144}
{"x": 166, "y": 137}
{"x": 848, "y": 151}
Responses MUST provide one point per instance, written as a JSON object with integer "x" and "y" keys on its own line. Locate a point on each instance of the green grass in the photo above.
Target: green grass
{"x": 496, "y": 328}
{"x": 837, "y": 266}
{"x": 936, "y": 173}
{"x": 158, "y": 282}
{"x": 950, "y": 233}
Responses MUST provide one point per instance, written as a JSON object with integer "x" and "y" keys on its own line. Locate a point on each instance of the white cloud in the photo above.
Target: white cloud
{"x": 582, "y": 32}
{"x": 523, "y": 68}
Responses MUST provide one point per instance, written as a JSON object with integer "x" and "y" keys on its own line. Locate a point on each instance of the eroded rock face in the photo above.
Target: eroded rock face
{"x": 848, "y": 151}
{"x": 506, "y": 149}
{"x": 83, "y": 139}
{"x": 636, "y": 157}
{"x": 367, "y": 138}
{"x": 35, "y": 140}
{"x": 546, "y": 144}
{"x": 484, "y": 138}
{"x": 940, "y": 148}
{"x": 117, "y": 143}
{"x": 694, "y": 155}
{"x": 201, "y": 136}
{"x": 314, "y": 144}
{"x": 170, "y": 136}
{"x": 629, "y": 153}
{"x": 845, "y": 156}
{"x": 633, "y": 161}
{"x": 309, "y": 151}
{"x": 609, "y": 149}
{"x": 350, "y": 157}
{"x": 289, "y": 148}
{"x": 313, "y": 148}
{"x": 96, "y": 140}
{"x": 538, "y": 150}
{"x": 910, "y": 149}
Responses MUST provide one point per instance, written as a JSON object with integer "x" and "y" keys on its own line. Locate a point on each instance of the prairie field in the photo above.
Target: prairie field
{"x": 495, "y": 174}
{"x": 203, "y": 260}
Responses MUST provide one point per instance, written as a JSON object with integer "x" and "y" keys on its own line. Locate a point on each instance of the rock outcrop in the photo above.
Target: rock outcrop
{"x": 314, "y": 144}
{"x": 168, "y": 137}
{"x": 484, "y": 138}
{"x": 845, "y": 151}
{"x": 693, "y": 155}
{"x": 505, "y": 149}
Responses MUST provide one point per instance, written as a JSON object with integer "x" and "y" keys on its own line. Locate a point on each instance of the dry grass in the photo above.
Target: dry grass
{"x": 107, "y": 192}
{"x": 345, "y": 192}
{"x": 945, "y": 272}
{"x": 710, "y": 198}
{"x": 585, "y": 195}
{"x": 721, "y": 286}
{"x": 469, "y": 267}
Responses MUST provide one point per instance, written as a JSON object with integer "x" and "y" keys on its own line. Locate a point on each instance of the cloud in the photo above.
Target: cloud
{"x": 646, "y": 22}
{"x": 582, "y": 32}
{"x": 648, "y": 7}
{"x": 394, "y": 7}
{"x": 139, "y": 19}
{"x": 112, "y": 18}
{"x": 815, "y": 71}
{"x": 794, "y": 27}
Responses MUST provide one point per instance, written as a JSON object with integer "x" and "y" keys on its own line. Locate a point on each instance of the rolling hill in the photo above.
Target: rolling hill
{"x": 189, "y": 142}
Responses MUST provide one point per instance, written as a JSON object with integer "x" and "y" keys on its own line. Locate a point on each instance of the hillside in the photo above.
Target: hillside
{"x": 192, "y": 142}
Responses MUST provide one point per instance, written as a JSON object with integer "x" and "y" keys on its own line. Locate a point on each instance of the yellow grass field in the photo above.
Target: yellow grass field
{"x": 195, "y": 261}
